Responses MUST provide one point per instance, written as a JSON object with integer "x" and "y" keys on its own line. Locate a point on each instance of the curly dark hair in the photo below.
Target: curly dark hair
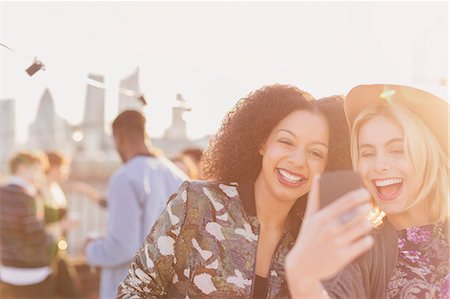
{"x": 339, "y": 144}
{"x": 232, "y": 154}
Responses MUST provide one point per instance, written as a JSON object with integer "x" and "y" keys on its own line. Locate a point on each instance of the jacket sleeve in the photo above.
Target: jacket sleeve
{"x": 152, "y": 270}
{"x": 351, "y": 283}
{"x": 368, "y": 275}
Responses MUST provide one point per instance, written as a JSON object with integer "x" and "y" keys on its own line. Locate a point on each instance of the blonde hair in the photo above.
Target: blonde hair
{"x": 422, "y": 148}
{"x": 28, "y": 159}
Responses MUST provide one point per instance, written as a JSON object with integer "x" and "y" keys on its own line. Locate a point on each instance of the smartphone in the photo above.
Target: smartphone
{"x": 334, "y": 184}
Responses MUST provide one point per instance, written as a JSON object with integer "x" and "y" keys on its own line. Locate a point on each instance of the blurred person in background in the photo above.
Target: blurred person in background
{"x": 187, "y": 165}
{"x": 55, "y": 201}
{"x": 196, "y": 155}
{"x": 137, "y": 193}
{"x": 58, "y": 222}
{"x": 26, "y": 248}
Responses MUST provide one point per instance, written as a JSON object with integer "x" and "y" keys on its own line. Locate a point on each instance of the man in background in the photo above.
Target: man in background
{"x": 26, "y": 249}
{"x": 137, "y": 194}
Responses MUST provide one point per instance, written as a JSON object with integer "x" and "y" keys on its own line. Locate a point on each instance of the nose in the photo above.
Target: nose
{"x": 381, "y": 163}
{"x": 298, "y": 157}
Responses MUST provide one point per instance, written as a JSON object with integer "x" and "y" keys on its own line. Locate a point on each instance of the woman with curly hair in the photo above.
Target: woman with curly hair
{"x": 227, "y": 237}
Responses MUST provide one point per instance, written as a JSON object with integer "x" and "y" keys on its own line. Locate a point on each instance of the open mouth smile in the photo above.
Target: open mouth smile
{"x": 389, "y": 188}
{"x": 290, "y": 179}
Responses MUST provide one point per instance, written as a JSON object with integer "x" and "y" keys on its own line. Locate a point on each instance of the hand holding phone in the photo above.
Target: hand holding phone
{"x": 335, "y": 232}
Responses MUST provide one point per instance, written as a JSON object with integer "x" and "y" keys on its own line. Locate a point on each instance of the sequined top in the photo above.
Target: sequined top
{"x": 422, "y": 269}
{"x": 204, "y": 245}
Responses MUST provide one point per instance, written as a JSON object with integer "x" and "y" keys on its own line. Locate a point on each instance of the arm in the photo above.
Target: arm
{"x": 326, "y": 244}
{"x": 353, "y": 282}
{"x": 124, "y": 225}
{"x": 151, "y": 271}
{"x": 92, "y": 193}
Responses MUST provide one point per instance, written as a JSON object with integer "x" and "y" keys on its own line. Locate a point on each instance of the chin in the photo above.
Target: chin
{"x": 391, "y": 209}
{"x": 290, "y": 197}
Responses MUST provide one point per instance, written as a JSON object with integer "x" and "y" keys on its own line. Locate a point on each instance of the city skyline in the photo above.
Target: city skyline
{"x": 214, "y": 53}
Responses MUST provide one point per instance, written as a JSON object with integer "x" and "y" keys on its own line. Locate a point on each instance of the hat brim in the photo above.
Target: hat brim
{"x": 433, "y": 110}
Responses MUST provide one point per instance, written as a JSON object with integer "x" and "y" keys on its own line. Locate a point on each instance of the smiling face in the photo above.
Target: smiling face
{"x": 386, "y": 169}
{"x": 295, "y": 150}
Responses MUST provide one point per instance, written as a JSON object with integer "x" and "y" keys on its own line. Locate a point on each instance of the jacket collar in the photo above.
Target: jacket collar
{"x": 247, "y": 195}
{"x": 27, "y": 187}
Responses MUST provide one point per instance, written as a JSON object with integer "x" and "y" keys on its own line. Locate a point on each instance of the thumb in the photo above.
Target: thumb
{"x": 313, "y": 197}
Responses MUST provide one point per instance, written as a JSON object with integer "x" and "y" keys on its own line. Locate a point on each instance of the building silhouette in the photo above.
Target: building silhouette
{"x": 7, "y": 132}
{"x": 130, "y": 95}
{"x": 49, "y": 131}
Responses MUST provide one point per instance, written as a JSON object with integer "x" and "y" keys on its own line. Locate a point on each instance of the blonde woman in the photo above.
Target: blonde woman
{"x": 399, "y": 145}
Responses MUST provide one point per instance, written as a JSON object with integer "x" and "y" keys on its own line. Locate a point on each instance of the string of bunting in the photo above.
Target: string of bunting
{"x": 34, "y": 67}
{"x": 38, "y": 65}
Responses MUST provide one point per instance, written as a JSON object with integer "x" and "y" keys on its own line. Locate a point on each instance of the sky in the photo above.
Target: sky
{"x": 213, "y": 53}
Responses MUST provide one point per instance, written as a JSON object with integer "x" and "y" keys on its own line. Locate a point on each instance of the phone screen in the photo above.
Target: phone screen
{"x": 337, "y": 183}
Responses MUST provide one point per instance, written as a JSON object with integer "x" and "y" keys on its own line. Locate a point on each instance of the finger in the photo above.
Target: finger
{"x": 345, "y": 203}
{"x": 356, "y": 249}
{"x": 351, "y": 216}
{"x": 313, "y": 197}
{"x": 355, "y": 230}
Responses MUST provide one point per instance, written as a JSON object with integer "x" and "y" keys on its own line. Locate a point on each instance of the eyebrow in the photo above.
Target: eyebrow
{"x": 393, "y": 140}
{"x": 293, "y": 135}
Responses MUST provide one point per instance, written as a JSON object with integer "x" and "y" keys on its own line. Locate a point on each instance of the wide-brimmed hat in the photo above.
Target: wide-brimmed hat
{"x": 430, "y": 108}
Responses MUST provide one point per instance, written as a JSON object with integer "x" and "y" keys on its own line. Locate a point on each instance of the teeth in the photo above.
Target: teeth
{"x": 384, "y": 183}
{"x": 289, "y": 177}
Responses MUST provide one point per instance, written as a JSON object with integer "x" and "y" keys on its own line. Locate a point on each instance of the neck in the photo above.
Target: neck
{"x": 416, "y": 216}
{"x": 270, "y": 211}
{"x": 136, "y": 150}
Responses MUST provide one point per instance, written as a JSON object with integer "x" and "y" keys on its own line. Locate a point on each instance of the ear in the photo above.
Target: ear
{"x": 262, "y": 148}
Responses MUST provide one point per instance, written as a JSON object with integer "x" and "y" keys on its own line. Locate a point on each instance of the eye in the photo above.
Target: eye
{"x": 317, "y": 154}
{"x": 366, "y": 154}
{"x": 286, "y": 141}
{"x": 397, "y": 150}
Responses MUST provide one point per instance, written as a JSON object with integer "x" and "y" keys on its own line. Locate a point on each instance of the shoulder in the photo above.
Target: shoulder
{"x": 118, "y": 176}
{"x": 14, "y": 192}
{"x": 218, "y": 189}
{"x": 144, "y": 166}
{"x": 14, "y": 200}
{"x": 217, "y": 193}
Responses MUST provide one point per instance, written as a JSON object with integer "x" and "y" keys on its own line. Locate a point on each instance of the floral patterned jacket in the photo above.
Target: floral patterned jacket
{"x": 204, "y": 246}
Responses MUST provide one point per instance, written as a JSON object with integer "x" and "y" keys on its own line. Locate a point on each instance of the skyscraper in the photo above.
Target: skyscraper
{"x": 92, "y": 127}
{"x": 49, "y": 131}
{"x": 130, "y": 93}
{"x": 7, "y": 131}
{"x": 177, "y": 130}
